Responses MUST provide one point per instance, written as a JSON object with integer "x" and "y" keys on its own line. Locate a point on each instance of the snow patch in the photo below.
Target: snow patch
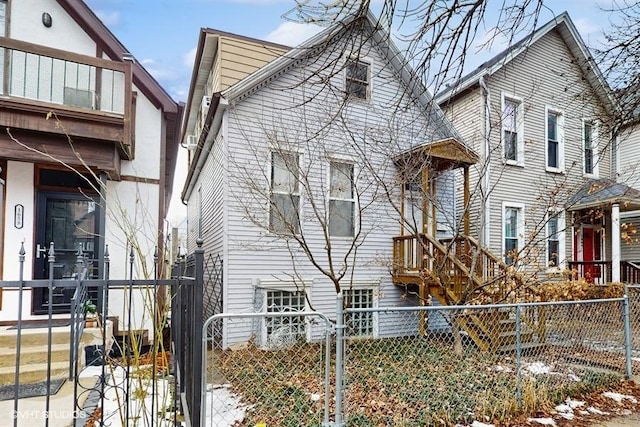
{"x": 619, "y": 397}
{"x": 596, "y": 411}
{"x": 538, "y": 368}
{"x": 223, "y": 407}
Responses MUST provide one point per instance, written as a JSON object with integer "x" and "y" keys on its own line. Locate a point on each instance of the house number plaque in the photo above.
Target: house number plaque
{"x": 18, "y": 218}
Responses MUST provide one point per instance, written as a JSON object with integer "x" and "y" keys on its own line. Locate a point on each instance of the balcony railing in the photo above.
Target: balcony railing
{"x": 60, "y": 77}
{"x": 597, "y": 272}
{"x": 92, "y": 96}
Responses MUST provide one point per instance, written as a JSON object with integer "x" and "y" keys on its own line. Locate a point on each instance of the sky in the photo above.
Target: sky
{"x": 162, "y": 35}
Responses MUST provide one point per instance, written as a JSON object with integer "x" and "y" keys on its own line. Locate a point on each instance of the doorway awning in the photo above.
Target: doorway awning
{"x": 444, "y": 154}
{"x": 603, "y": 193}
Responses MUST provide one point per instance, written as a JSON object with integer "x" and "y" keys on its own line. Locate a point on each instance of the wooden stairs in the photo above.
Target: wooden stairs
{"x": 461, "y": 272}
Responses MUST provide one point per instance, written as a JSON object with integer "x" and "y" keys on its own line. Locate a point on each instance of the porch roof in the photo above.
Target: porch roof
{"x": 445, "y": 153}
{"x": 603, "y": 193}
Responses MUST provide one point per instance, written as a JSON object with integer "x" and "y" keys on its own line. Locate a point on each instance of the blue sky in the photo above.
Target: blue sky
{"x": 162, "y": 34}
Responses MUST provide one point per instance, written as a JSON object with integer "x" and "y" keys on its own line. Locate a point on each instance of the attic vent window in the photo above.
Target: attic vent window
{"x": 357, "y": 79}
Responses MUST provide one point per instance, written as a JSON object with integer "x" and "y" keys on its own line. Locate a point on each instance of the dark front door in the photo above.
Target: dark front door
{"x": 70, "y": 221}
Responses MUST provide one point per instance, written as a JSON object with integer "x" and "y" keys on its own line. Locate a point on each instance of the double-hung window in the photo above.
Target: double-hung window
{"x": 512, "y": 131}
{"x": 358, "y": 79}
{"x": 342, "y": 203}
{"x": 553, "y": 240}
{"x": 589, "y": 141}
{"x": 555, "y": 144}
{"x": 284, "y": 206}
{"x": 361, "y": 323}
{"x": 513, "y": 228}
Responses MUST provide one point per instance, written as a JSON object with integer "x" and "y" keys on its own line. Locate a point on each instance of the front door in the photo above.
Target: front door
{"x": 591, "y": 241}
{"x": 69, "y": 220}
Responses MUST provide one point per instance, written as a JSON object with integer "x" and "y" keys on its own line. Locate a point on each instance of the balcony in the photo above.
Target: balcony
{"x": 50, "y": 97}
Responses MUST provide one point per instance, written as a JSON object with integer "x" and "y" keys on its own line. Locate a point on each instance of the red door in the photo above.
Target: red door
{"x": 590, "y": 253}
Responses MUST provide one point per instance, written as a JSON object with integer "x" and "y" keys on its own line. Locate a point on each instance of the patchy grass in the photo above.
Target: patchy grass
{"x": 402, "y": 382}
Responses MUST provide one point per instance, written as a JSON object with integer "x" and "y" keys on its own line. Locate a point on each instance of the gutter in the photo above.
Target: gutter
{"x": 485, "y": 236}
{"x": 210, "y": 130}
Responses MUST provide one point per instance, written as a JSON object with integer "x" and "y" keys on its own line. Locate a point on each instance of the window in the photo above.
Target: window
{"x": 359, "y": 324}
{"x": 589, "y": 140}
{"x": 555, "y": 144}
{"x": 285, "y": 198}
{"x": 513, "y": 228}
{"x": 512, "y": 130}
{"x": 553, "y": 240}
{"x": 286, "y": 328}
{"x": 357, "y": 79}
{"x": 341, "y": 200}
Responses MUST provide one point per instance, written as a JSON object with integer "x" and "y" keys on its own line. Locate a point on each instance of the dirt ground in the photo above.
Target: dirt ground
{"x": 628, "y": 421}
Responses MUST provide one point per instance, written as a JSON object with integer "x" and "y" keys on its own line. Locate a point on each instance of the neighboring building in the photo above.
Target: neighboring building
{"x": 90, "y": 153}
{"x": 335, "y": 144}
{"x": 628, "y": 167}
{"x": 539, "y": 114}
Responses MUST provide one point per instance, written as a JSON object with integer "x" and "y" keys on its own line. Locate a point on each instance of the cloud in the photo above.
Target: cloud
{"x": 158, "y": 71}
{"x": 292, "y": 33}
{"x": 108, "y": 18}
{"x": 493, "y": 41}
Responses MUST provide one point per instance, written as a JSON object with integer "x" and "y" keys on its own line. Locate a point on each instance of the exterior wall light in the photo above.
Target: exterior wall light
{"x": 47, "y": 21}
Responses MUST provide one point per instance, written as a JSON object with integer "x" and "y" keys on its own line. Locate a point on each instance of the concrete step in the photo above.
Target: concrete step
{"x": 34, "y": 354}
{"x": 33, "y": 337}
{"x": 34, "y": 372}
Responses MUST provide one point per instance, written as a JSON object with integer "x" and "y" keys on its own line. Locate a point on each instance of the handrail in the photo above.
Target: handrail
{"x": 417, "y": 253}
{"x": 630, "y": 272}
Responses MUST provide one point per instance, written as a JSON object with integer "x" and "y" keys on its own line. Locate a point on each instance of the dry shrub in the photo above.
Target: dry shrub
{"x": 578, "y": 290}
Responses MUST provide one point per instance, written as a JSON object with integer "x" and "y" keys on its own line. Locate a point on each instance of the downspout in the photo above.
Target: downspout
{"x": 485, "y": 205}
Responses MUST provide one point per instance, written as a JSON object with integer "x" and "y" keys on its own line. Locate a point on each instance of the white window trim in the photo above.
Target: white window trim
{"x": 265, "y": 286}
{"x": 560, "y": 133}
{"x": 356, "y": 206}
{"x": 521, "y": 227}
{"x": 561, "y": 259}
{"x": 269, "y": 189}
{"x": 594, "y": 146}
{"x": 367, "y": 60}
{"x": 519, "y": 129}
{"x": 374, "y": 285}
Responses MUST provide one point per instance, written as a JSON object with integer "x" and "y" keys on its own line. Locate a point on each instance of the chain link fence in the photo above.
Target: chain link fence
{"x": 280, "y": 376}
{"x": 413, "y": 365}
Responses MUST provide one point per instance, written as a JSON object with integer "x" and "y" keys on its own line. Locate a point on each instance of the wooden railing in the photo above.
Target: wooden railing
{"x": 460, "y": 265}
{"x": 630, "y": 272}
{"x": 597, "y": 272}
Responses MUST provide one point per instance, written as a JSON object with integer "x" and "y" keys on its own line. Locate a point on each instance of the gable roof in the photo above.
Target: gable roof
{"x": 380, "y": 38}
{"x": 110, "y": 45}
{"x": 567, "y": 30}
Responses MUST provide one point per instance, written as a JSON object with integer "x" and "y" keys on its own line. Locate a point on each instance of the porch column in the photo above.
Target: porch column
{"x": 615, "y": 242}
{"x": 467, "y": 198}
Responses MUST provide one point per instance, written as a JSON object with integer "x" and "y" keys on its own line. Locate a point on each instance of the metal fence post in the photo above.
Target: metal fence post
{"x": 339, "y": 357}
{"x": 627, "y": 333}
{"x": 518, "y": 357}
{"x": 197, "y": 393}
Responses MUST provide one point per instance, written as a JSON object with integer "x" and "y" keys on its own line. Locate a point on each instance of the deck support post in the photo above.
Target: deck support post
{"x": 615, "y": 243}
{"x": 467, "y": 198}
{"x": 422, "y": 317}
